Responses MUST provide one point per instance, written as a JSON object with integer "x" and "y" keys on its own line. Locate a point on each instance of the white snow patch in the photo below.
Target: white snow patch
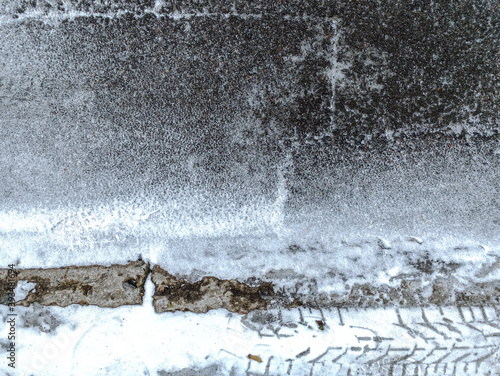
{"x": 134, "y": 340}
{"x": 22, "y": 289}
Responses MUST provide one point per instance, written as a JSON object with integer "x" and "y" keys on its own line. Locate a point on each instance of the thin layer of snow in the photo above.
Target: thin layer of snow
{"x": 241, "y": 243}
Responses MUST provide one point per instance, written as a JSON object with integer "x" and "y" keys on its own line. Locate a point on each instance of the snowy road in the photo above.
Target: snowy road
{"x": 348, "y": 152}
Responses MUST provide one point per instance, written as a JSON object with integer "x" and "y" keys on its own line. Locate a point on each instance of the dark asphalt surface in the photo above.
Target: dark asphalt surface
{"x": 352, "y": 102}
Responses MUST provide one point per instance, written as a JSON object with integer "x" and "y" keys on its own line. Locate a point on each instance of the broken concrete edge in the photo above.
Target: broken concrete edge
{"x": 117, "y": 285}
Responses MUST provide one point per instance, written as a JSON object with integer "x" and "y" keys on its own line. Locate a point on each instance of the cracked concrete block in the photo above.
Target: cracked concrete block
{"x": 104, "y": 286}
{"x": 173, "y": 294}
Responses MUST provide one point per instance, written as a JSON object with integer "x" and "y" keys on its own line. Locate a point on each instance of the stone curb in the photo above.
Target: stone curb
{"x": 104, "y": 286}
{"x": 172, "y": 294}
{"x": 118, "y": 285}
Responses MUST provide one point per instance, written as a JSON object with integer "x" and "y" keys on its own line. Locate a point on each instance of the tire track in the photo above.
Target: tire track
{"x": 420, "y": 341}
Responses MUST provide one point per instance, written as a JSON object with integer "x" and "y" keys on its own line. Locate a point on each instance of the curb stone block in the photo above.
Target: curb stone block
{"x": 118, "y": 285}
{"x": 104, "y": 286}
{"x": 172, "y": 294}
